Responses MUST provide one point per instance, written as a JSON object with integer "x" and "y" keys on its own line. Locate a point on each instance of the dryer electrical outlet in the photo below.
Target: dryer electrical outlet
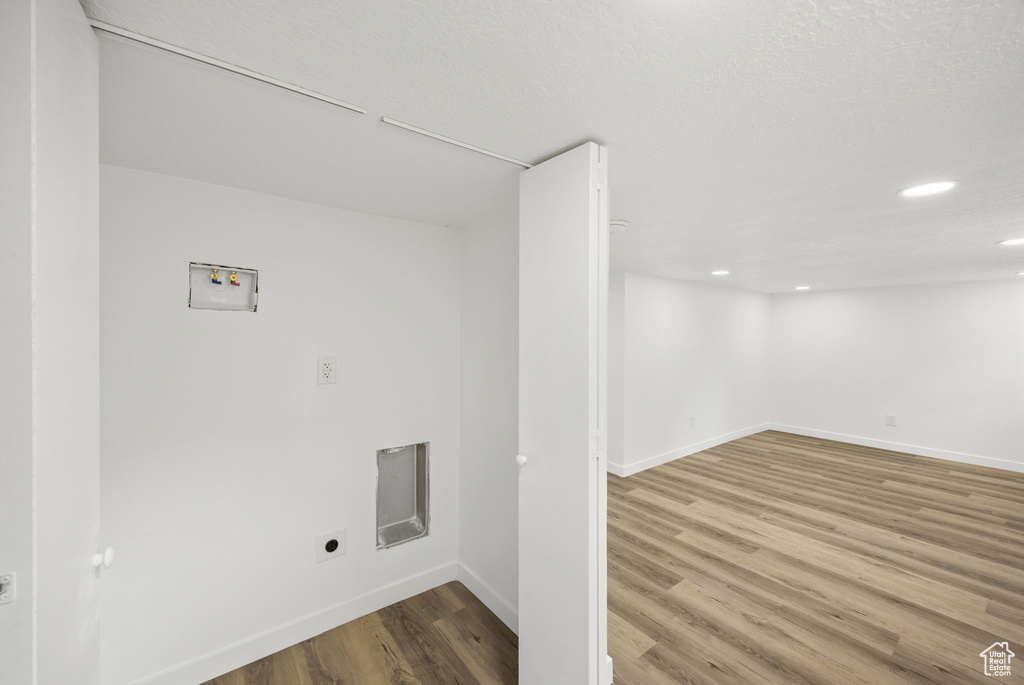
{"x": 330, "y": 545}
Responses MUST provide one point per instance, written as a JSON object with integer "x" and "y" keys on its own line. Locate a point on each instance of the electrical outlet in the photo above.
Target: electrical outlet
{"x": 330, "y": 545}
{"x": 693, "y": 422}
{"x": 326, "y": 370}
{"x": 890, "y": 420}
{"x": 7, "y": 587}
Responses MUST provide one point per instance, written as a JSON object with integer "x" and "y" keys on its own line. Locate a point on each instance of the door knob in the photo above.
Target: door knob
{"x": 520, "y": 460}
{"x": 104, "y": 558}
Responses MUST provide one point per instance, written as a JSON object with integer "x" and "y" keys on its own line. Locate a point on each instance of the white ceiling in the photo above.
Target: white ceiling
{"x": 768, "y": 138}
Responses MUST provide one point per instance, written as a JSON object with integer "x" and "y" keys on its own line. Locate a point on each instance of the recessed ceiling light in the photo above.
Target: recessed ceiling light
{"x": 1012, "y": 241}
{"x": 618, "y": 225}
{"x": 803, "y": 287}
{"x": 929, "y": 188}
{"x": 719, "y": 273}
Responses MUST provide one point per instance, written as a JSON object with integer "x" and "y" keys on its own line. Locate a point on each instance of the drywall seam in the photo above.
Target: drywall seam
{"x": 498, "y": 605}
{"x": 268, "y": 642}
{"x": 626, "y": 470}
{"x": 918, "y": 450}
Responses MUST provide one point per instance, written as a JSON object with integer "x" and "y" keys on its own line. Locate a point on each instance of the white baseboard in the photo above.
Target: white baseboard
{"x": 657, "y": 460}
{"x": 258, "y": 646}
{"x": 498, "y": 605}
{"x": 607, "y": 671}
{"x": 975, "y": 459}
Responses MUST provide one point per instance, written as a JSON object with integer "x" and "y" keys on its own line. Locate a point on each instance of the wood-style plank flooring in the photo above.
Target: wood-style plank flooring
{"x": 445, "y": 635}
{"x": 791, "y": 560}
{"x": 774, "y": 559}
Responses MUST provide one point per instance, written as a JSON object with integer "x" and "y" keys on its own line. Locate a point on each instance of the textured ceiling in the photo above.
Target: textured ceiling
{"x": 768, "y": 138}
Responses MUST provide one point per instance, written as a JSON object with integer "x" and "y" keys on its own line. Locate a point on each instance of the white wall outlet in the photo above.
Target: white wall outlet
{"x": 326, "y": 370}
{"x": 7, "y": 587}
{"x": 890, "y": 420}
{"x": 330, "y": 545}
{"x": 693, "y": 422}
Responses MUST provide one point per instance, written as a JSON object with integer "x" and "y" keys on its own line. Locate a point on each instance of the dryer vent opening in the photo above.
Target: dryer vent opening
{"x": 403, "y": 494}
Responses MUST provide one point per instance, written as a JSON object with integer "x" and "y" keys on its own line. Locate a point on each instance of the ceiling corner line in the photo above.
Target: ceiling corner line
{"x": 452, "y": 141}
{"x": 226, "y": 66}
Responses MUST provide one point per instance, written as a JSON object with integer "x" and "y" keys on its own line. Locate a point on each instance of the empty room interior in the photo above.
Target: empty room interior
{"x": 557, "y": 343}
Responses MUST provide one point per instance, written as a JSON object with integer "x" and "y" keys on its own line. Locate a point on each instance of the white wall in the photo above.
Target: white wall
{"x": 616, "y": 368}
{"x": 222, "y": 458}
{"x": 946, "y": 360}
{"x": 688, "y": 350}
{"x": 67, "y": 343}
{"x": 49, "y": 342}
{"x": 488, "y": 475}
{"x": 17, "y": 629}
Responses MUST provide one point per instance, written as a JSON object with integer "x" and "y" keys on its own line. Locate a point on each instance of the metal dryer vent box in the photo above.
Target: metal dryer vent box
{"x": 228, "y": 288}
{"x": 403, "y": 494}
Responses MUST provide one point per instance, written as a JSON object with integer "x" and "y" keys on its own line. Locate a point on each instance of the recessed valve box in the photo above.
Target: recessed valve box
{"x": 228, "y": 288}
